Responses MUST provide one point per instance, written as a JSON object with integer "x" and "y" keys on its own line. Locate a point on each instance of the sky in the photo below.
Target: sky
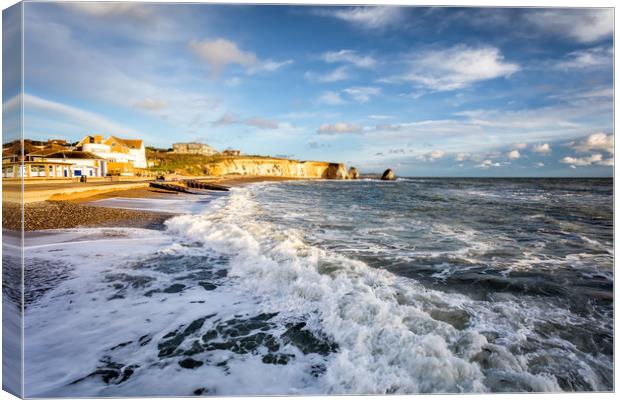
{"x": 425, "y": 91}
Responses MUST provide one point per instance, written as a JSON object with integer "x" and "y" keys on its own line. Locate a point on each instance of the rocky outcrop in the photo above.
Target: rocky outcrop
{"x": 267, "y": 166}
{"x": 335, "y": 171}
{"x": 353, "y": 173}
{"x": 388, "y": 175}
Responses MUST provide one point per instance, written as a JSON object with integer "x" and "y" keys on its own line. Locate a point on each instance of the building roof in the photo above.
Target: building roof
{"x": 72, "y": 154}
{"x": 50, "y": 149}
{"x": 131, "y": 143}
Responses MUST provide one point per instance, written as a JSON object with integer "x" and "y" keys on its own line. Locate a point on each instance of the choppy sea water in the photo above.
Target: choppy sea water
{"x": 332, "y": 287}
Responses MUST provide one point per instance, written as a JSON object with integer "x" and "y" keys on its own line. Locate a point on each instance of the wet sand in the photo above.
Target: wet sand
{"x": 147, "y": 192}
{"x": 72, "y": 213}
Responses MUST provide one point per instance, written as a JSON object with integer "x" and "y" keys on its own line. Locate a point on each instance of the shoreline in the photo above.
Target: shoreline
{"x": 77, "y": 212}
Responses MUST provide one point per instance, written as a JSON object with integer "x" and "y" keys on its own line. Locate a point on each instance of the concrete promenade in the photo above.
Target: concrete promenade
{"x": 34, "y": 192}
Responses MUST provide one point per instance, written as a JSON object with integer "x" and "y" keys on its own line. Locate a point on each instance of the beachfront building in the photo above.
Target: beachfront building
{"x": 194, "y": 148}
{"x": 123, "y": 156}
{"x": 59, "y": 164}
{"x": 231, "y": 152}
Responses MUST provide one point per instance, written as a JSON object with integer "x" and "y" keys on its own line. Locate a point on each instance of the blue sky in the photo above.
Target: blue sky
{"x": 426, "y": 91}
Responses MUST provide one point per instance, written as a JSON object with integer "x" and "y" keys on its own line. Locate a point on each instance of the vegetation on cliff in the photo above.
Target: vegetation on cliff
{"x": 221, "y": 165}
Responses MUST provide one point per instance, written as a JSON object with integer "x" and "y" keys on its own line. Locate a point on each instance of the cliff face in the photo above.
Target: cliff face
{"x": 275, "y": 167}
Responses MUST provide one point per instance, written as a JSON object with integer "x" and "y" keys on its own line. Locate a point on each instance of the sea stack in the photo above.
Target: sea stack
{"x": 353, "y": 173}
{"x": 388, "y": 175}
{"x": 335, "y": 171}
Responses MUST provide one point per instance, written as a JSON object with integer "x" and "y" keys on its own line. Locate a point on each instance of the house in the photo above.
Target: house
{"x": 230, "y": 152}
{"x": 123, "y": 156}
{"x": 193, "y": 148}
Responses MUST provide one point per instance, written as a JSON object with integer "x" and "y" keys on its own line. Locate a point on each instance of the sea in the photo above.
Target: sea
{"x": 331, "y": 287}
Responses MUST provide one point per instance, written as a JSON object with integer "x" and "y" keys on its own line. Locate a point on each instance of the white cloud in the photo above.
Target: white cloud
{"x": 583, "y": 161}
{"x": 268, "y": 66}
{"x": 587, "y": 58}
{"x": 458, "y": 67}
{"x": 539, "y": 165}
{"x": 112, "y": 9}
{"x": 151, "y": 104}
{"x": 544, "y": 148}
{"x": 596, "y": 141}
{"x": 378, "y": 18}
{"x": 362, "y": 94}
{"x": 81, "y": 121}
{"x": 488, "y": 164}
{"x": 257, "y": 122}
{"x": 436, "y": 155}
{"x": 519, "y": 146}
{"x": 227, "y": 119}
{"x": 339, "y": 127}
{"x": 338, "y": 74}
{"x": 349, "y": 56}
{"x": 233, "y": 82}
{"x": 220, "y": 53}
{"x": 375, "y": 116}
{"x": 261, "y": 123}
{"x": 582, "y": 25}
{"x": 513, "y": 155}
{"x": 461, "y": 157}
{"x": 331, "y": 98}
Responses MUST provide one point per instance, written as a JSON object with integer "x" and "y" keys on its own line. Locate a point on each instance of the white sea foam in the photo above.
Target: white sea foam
{"x": 394, "y": 335}
{"x": 388, "y": 340}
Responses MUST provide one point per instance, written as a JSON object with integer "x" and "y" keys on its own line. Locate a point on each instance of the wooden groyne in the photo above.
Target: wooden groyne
{"x": 189, "y": 184}
{"x": 170, "y": 187}
{"x": 206, "y": 186}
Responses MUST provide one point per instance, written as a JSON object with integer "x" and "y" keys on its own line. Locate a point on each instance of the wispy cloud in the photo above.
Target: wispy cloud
{"x": 112, "y": 9}
{"x": 338, "y": 74}
{"x": 262, "y": 123}
{"x": 331, "y": 98}
{"x": 362, "y": 94}
{"x": 151, "y": 104}
{"x": 227, "y": 119}
{"x": 219, "y": 53}
{"x": 372, "y": 18}
{"x": 81, "y": 121}
{"x": 350, "y": 57}
{"x": 582, "y": 25}
{"x": 457, "y": 67}
{"x": 269, "y": 66}
{"x": 339, "y": 128}
{"x": 433, "y": 155}
{"x": 588, "y": 58}
{"x": 380, "y": 116}
{"x": 257, "y": 122}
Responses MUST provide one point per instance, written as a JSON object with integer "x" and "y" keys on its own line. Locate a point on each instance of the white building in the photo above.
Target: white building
{"x": 62, "y": 164}
{"x": 122, "y": 155}
{"x": 193, "y": 148}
